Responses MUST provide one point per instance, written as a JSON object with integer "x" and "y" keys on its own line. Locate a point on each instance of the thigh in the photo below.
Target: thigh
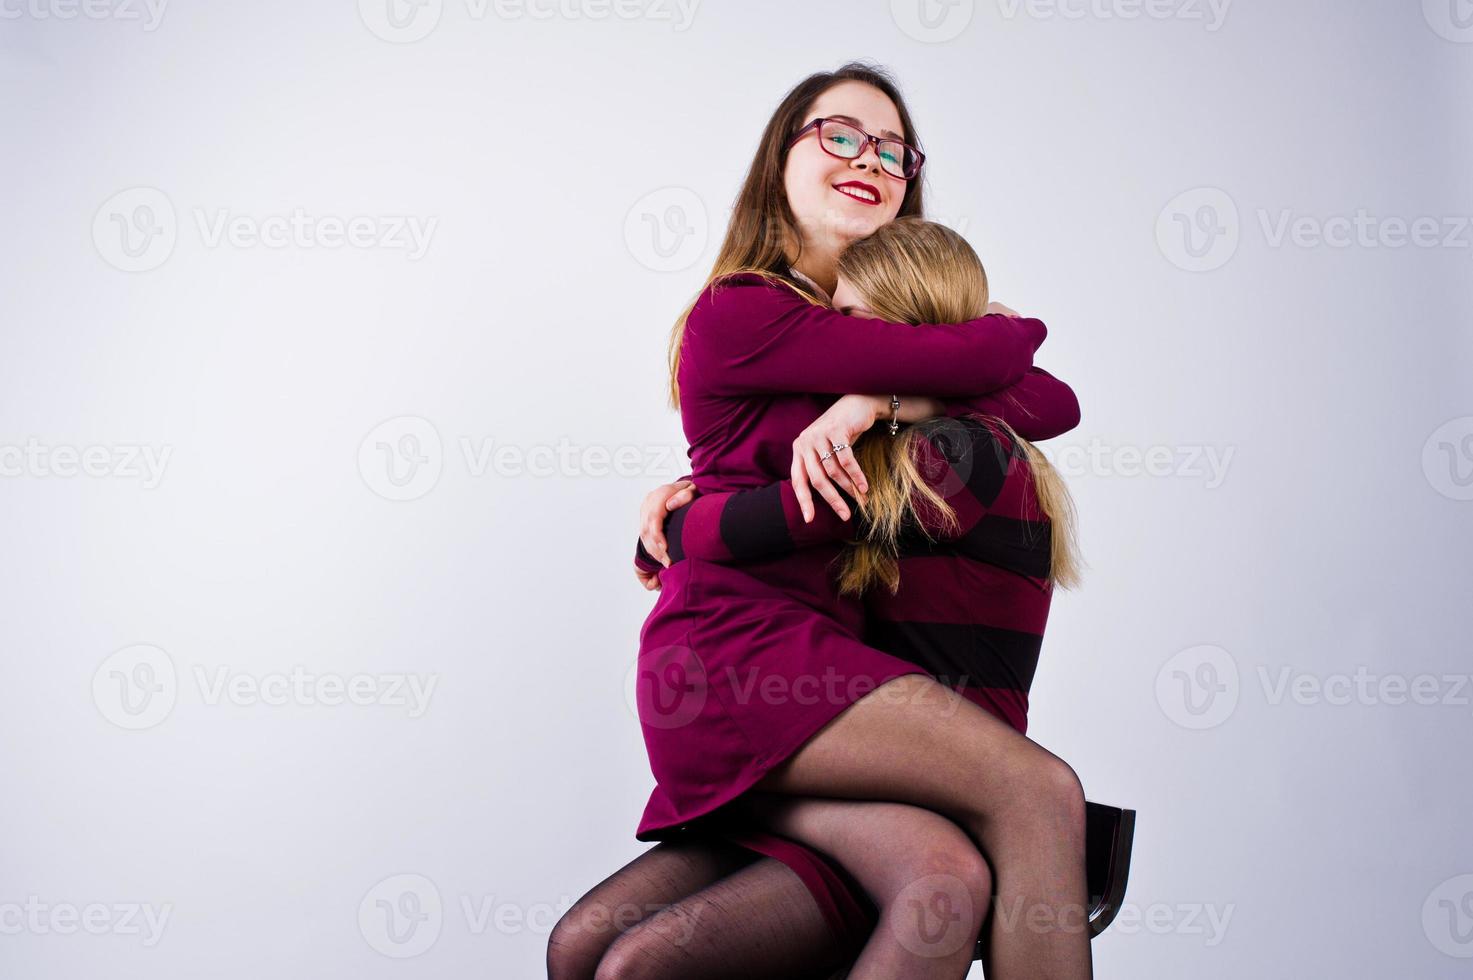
{"x": 760, "y": 921}
{"x": 661, "y": 876}
{"x": 914, "y": 740}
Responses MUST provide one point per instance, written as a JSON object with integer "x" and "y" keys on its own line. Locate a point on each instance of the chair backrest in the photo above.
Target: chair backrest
{"x": 1108, "y": 835}
{"x": 1109, "y": 832}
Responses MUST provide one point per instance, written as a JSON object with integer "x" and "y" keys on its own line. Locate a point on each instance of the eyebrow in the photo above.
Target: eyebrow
{"x": 855, "y": 122}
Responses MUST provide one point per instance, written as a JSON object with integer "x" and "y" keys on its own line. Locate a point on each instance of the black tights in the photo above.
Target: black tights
{"x": 971, "y": 784}
{"x": 696, "y": 908}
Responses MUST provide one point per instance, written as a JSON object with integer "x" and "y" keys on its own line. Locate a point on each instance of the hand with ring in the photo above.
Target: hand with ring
{"x": 823, "y": 454}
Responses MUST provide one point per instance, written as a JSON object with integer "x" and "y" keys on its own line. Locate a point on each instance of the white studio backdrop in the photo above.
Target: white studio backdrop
{"x": 331, "y": 378}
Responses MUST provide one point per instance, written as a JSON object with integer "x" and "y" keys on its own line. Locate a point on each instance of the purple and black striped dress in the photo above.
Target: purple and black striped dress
{"x": 749, "y": 649}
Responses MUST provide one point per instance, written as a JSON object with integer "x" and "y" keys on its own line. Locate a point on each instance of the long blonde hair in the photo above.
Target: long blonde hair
{"x": 916, "y": 271}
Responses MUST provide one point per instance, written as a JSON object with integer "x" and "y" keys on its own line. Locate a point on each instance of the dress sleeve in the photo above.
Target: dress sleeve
{"x": 643, "y": 560}
{"x": 746, "y": 335}
{"x": 968, "y": 462}
{"x": 1037, "y": 406}
{"x": 745, "y": 525}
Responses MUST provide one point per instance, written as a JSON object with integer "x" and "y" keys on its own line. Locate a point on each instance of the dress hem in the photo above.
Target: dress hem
{"x": 760, "y": 768}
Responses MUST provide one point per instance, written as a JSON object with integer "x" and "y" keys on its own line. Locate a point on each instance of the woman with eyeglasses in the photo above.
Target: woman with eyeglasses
{"x": 755, "y": 685}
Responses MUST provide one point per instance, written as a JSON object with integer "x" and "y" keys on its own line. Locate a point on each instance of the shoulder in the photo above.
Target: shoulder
{"x": 743, "y": 293}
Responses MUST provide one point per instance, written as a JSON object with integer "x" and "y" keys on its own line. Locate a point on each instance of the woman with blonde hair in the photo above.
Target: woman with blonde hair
{"x": 955, "y": 550}
{"x": 910, "y": 770}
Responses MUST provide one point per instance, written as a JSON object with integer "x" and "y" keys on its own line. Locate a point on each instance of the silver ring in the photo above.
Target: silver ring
{"x": 824, "y": 457}
{"x": 840, "y": 447}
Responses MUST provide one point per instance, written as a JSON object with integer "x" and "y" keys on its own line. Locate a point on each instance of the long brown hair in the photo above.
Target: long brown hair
{"x": 761, "y": 221}
{"x": 916, "y": 271}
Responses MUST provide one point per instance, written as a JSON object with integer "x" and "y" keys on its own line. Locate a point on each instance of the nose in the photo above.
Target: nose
{"x": 868, "y": 151}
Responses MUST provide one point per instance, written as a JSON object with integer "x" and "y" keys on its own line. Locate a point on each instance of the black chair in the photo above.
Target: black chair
{"x": 1108, "y": 834}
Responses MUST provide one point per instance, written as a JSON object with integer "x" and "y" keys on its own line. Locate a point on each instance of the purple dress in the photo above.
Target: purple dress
{"x": 740, "y": 664}
{"x": 971, "y": 607}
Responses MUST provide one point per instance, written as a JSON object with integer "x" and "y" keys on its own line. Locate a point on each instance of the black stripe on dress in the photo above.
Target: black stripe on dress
{"x": 753, "y": 524}
{"x": 969, "y": 654}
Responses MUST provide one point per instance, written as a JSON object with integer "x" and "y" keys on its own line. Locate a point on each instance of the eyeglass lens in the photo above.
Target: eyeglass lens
{"x": 845, "y": 141}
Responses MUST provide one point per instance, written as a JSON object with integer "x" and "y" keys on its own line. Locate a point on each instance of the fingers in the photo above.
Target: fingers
{"x": 681, "y": 497}
{"x": 800, "y": 485}
{"x": 854, "y": 476}
{"x": 837, "y": 476}
{"x": 652, "y": 517}
{"x": 820, "y": 481}
{"x": 857, "y": 485}
{"x": 835, "y": 472}
{"x": 652, "y": 536}
{"x": 842, "y": 467}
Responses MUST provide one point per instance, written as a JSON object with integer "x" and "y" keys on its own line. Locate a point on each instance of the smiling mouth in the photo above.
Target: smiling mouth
{"x": 860, "y": 192}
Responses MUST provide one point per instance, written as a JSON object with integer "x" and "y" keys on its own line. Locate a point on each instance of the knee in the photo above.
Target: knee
{"x": 627, "y": 959}
{"x": 941, "y": 909}
{"x": 965, "y": 863}
{"x": 1068, "y": 793}
{"x": 575, "y": 946}
{"x": 1061, "y": 796}
{"x": 950, "y": 866}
